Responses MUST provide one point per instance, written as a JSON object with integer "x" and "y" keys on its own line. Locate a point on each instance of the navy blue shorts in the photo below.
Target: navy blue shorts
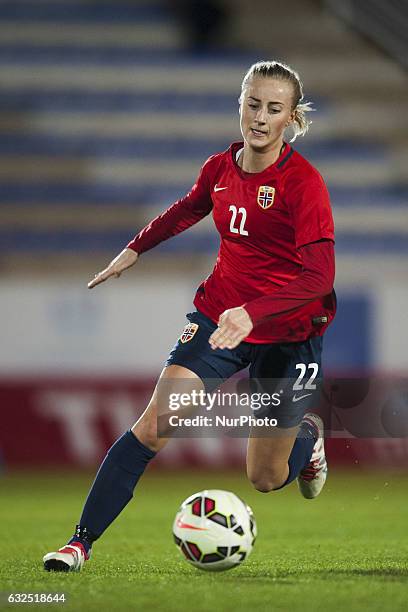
{"x": 297, "y": 362}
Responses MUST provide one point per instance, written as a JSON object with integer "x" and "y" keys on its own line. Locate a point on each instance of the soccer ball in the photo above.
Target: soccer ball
{"x": 215, "y": 530}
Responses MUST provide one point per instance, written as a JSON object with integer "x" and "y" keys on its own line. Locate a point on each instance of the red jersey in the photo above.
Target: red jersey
{"x": 264, "y": 220}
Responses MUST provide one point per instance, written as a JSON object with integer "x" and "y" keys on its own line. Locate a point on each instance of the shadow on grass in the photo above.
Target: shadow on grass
{"x": 294, "y": 577}
{"x": 390, "y": 572}
{"x": 258, "y": 574}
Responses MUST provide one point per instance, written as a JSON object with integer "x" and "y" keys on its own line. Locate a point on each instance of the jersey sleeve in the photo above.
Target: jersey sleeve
{"x": 179, "y": 216}
{"x": 315, "y": 280}
{"x": 311, "y": 211}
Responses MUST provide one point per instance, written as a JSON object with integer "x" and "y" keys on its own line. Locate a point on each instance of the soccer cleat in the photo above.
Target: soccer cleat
{"x": 69, "y": 558}
{"x": 312, "y": 478}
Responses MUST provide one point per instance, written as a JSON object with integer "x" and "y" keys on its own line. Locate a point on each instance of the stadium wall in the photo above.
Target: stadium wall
{"x": 128, "y": 328}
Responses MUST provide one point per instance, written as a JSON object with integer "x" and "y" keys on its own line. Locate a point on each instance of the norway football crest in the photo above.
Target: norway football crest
{"x": 266, "y": 196}
{"x": 188, "y": 332}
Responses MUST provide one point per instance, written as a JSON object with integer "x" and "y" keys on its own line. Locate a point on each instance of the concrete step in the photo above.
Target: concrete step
{"x": 170, "y": 172}
{"x": 164, "y": 34}
{"x": 355, "y": 119}
{"x": 81, "y": 217}
{"x": 323, "y": 75}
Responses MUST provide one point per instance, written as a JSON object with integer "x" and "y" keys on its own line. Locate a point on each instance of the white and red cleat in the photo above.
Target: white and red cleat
{"x": 69, "y": 558}
{"x": 312, "y": 478}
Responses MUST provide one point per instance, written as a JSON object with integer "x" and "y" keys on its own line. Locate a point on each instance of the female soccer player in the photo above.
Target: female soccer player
{"x": 266, "y": 304}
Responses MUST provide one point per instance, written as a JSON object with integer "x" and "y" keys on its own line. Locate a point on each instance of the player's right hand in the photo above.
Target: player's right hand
{"x": 124, "y": 260}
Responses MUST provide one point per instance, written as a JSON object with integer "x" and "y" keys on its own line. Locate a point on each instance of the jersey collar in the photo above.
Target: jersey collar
{"x": 277, "y": 165}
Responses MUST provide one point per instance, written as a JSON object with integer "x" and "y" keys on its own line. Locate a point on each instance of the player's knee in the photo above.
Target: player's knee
{"x": 266, "y": 480}
{"x": 263, "y": 485}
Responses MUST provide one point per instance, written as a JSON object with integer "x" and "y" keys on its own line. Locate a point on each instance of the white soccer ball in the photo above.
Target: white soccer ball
{"x": 215, "y": 530}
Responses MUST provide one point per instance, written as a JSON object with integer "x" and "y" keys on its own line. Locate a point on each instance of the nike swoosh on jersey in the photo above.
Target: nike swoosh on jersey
{"x": 296, "y": 399}
{"x": 219, "y": 188}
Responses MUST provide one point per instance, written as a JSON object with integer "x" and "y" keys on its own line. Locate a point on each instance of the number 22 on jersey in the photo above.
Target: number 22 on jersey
{"x": 234, "y": 221}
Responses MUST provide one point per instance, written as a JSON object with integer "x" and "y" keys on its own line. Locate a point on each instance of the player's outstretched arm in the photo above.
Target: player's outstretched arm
{"x": 123, "y": 261}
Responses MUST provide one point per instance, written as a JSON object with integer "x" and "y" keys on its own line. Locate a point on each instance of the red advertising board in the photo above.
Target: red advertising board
{"x": 71, "y": 422}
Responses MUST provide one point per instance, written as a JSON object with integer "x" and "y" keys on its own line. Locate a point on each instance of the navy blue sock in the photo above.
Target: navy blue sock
{"x": 113, "y": 487}
{"x": 301, "y": 452}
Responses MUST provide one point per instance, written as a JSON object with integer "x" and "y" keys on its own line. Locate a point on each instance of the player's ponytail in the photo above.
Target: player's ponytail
{"x": 301, "y": 121}
{"x": 283, "y": 72}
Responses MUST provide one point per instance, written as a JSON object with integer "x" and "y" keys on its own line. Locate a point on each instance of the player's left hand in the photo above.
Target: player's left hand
{"x": 233, "y": 326}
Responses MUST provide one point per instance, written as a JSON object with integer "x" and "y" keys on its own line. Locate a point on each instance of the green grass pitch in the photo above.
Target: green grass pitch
{"x": 345, "y": 551}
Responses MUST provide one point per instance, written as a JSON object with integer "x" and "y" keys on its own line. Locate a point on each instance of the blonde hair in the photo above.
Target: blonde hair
{"x": 283, "y": 72}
